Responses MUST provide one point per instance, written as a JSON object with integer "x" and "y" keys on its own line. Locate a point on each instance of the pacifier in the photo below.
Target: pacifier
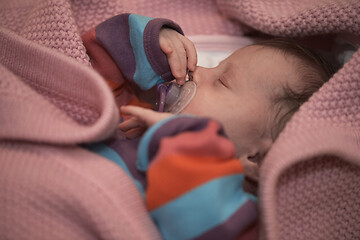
{"x": 173, "y": 97}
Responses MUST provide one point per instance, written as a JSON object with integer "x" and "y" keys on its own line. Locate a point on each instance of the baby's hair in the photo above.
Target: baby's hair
{"x": 313, "y": 71}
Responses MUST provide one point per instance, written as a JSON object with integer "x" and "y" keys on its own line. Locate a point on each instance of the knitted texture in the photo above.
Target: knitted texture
{"x": 331, "y": 114}
{"x": 51, "y": 24}
{"x": 308, "y": 180}
{"x": 194, "y": 17}
{"x": 51, "y": 188}
{"x": 88, "y": 14}
{"x": 328, "y": 211}
{"x": 338, "y": 103}
{"x": 83, "y": 112}
{"x": 67, "y": 193}
{"x": 59, "y": 24}
{"x": 295, "y": 18}
{"x": 308, "y": 185}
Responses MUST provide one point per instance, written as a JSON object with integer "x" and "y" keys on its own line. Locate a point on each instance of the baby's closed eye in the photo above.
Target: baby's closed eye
{"x": 223, "y": 81}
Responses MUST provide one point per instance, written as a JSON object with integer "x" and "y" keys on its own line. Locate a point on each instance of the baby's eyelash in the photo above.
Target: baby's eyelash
{"x": 223, "y": 83}
{"x": 254, "y": 158}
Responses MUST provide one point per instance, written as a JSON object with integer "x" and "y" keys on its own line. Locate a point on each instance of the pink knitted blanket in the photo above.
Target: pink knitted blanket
{"x": 309, "y": 180}
{"x": 309, "y": 186}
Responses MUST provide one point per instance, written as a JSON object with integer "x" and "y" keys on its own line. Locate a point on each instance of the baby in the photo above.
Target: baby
{"x": 187, "y": 165}
{"x": 252, "y": 93}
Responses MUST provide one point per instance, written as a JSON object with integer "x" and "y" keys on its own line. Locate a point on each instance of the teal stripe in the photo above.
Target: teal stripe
{"x": 201, "y": 209}
{"x": 143, "y": 158}
{"x": 144, "y": 75}
{"x": 105, "y": 151}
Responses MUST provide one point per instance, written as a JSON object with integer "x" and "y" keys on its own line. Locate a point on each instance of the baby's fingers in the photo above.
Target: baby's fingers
{"x": 146, "y": 116}
{"x": 132, "y": 128}
{"x": 134, "y": 133}
{"x": 139, "y": 113}
{"x": 172, "y": 45}
{"x": 190, "y": 53}
{"x": 177, "y": 60}
{"x": 166, "y": 47}
{"x": 183, "y": 57}
{"x": 130, "y": 124}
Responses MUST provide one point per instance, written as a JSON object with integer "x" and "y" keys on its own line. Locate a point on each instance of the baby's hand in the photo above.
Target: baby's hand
{"x": 180, "y": 52}
{"x": 142, "y": 118}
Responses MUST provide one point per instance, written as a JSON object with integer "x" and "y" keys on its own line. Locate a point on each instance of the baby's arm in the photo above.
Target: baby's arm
{"x": 194, "y": 182}
{"x": 180, "y": 52}
{"x": 141, "y": 119}
{"x": 141, "y": 48}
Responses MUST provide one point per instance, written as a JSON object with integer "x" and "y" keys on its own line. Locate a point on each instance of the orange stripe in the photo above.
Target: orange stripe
{"x": 179, "y": 174}
{"x": 177, "y": 169}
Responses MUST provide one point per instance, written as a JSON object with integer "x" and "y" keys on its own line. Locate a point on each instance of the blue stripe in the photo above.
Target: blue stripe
{"x": 144, "y": 75}
{"x": 105, "y": 151}
{"x": 201, "y": 209}
{"x": 143, "y": 158}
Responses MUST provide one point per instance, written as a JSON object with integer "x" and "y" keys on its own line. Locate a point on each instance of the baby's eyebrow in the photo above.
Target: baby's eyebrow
{"x": 230, "y": 66}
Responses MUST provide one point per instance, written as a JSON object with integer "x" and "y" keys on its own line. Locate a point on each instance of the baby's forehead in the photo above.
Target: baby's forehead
{"x": 273, "y": 71}
{"x": 260, "y": 53}
{"x": 266, "y": 67}
{"x": 253, "y": 59}
{"x": 251, "y": 50}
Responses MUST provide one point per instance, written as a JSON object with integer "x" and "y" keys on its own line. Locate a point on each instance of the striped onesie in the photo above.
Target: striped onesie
{"x": 184, "y": 166}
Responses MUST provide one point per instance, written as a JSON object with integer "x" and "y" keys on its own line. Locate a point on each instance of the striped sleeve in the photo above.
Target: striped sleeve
{"x": 194, "y": 182}
{"x": 132, "y": 43}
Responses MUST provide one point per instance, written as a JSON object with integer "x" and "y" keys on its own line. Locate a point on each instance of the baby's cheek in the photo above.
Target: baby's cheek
{"x": 193, "y": 108}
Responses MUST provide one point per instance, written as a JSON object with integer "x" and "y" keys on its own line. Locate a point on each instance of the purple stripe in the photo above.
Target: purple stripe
{"x": 127, "y": 150}
{"x": 114, "y": 36}
{"x": 239, "y": 222}
{"x": 154, "y": 54}
{"x": 176, "y": 126}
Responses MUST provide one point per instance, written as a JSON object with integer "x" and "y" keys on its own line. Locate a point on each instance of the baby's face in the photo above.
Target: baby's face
{"x": 239, "y": 93}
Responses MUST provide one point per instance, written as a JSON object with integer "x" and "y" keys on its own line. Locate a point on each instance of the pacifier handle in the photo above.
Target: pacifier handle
{"x": 160, "y": 103}
{"x": 168, "y": 93}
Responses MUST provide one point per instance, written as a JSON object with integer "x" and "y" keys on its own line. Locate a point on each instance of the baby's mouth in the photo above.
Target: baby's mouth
{"x": 179, "y": 97}
{"x": 173, "y": 97}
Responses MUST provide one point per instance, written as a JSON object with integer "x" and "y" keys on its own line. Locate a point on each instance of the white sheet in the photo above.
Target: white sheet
{"x": 212, "y": 49}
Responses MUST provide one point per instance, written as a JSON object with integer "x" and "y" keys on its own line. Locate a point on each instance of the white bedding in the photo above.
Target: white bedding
{"x": 212, "y": 50}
